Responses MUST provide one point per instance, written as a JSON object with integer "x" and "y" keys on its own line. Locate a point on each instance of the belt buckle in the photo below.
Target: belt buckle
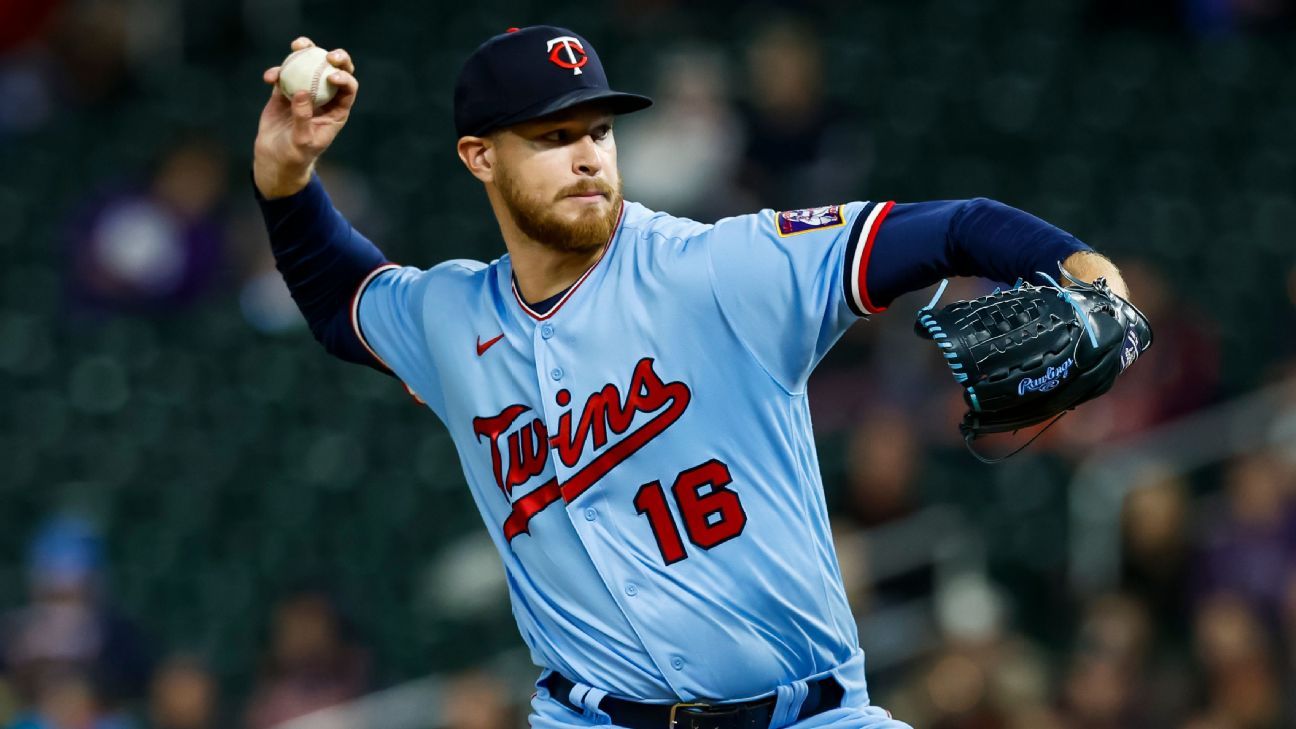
{"x": 676, "y": 707}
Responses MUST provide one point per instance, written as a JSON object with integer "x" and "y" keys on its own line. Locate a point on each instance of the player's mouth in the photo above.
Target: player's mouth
{"x": 588, "y": 196}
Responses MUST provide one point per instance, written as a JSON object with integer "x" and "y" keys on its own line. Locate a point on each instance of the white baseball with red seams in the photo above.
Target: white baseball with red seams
{"x": 307, "y": 70}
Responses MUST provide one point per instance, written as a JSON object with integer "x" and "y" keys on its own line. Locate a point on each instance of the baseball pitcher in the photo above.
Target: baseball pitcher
{"x": 626, "y": 389}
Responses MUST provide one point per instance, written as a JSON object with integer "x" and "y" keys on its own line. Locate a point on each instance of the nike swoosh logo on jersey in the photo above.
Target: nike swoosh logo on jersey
{"x": 481, "y": 348}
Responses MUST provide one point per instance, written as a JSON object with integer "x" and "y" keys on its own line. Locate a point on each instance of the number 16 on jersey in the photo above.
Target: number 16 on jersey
{"x": 711, "y": 511}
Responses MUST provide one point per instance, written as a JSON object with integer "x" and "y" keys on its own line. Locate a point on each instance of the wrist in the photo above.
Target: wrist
{"x": 275, "y": 181}
{"x": 1090, "y": 265}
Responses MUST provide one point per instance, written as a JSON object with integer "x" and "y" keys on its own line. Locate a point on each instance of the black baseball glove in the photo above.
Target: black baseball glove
{"x": 1031, "y": 353}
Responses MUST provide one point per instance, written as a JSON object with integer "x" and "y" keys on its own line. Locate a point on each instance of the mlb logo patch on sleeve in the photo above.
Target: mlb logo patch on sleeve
{"x": 791, "y": 222}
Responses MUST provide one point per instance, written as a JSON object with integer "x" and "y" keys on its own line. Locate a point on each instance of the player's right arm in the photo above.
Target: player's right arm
{"x": 324, "y": 260}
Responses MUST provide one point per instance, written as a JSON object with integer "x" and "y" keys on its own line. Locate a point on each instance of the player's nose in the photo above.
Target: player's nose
{"x": 587, "y": 157}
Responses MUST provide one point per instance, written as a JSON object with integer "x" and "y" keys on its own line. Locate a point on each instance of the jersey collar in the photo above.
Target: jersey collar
{"x": 571, "y": 289}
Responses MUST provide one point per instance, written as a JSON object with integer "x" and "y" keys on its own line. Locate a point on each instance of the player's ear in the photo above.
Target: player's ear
{"x": 478, "y": 155}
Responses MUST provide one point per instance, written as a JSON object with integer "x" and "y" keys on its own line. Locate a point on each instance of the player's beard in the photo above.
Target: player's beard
{"x": 538, "y": 219}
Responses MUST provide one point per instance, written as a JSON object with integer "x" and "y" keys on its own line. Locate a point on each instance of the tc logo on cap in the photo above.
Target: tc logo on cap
{"x": 572, "y": 46}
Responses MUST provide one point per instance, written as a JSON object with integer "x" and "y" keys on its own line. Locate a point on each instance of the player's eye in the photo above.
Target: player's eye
{"x": 559, "y": 136}
{"x": 600, "y": 132}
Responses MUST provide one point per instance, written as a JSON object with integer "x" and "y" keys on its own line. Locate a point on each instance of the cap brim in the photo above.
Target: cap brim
{"x": 616, "y": 101}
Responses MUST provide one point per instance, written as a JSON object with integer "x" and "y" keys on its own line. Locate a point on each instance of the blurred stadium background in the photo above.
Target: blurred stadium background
{"x": 209, "y": 523}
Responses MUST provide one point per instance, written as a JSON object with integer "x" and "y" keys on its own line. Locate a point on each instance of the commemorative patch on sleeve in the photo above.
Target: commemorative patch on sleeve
{"x": 792, "y": 222}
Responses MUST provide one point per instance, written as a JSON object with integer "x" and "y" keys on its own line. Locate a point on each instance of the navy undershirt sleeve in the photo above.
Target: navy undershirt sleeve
{"x": 323, "y": 260}
{"x": 919, "y": 244}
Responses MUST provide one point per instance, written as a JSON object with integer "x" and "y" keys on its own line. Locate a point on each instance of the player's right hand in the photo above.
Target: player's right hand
{"x": 293, "y": 134}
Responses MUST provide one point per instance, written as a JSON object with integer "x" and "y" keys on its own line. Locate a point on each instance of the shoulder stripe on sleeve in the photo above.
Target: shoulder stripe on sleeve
{"x": 355, "y": 311}
{"x": 858, "y": 250}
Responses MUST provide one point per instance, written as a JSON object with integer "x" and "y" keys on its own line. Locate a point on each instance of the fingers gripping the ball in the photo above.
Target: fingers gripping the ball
{"x": 342, "y": 60}
{"x": 303, "y": 113}
{"x": 271, "y": 75}
{"x": 347, "y": 87}
{"x": 343, "y": 79}
{"x": 329, "y": 75}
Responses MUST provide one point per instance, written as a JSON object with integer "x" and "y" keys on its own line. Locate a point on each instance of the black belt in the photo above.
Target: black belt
{"x": 823, "y": 694}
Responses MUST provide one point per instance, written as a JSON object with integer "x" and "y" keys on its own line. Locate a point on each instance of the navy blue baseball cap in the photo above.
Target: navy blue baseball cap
{"x": 527, "y": 73}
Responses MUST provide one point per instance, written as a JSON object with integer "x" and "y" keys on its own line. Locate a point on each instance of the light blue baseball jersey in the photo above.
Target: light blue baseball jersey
{"x": 642, "y": 452}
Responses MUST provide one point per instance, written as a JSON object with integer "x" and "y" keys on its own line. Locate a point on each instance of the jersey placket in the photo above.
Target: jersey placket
{"x": 558, "y": 376}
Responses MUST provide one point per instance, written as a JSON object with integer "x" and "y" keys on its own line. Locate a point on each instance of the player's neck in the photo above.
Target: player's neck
{"x": 540, "y": 270}
{"x": 543, "y": 272}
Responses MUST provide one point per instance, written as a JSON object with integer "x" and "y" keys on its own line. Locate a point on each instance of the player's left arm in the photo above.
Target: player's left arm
{"x": 918, "y": 244}
{"x": 790, "y": 283}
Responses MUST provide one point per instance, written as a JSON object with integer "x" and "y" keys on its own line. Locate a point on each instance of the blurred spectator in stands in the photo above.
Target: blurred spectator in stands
{"x": 27, "y": 69}
{"x": 263, "y": 296}
{"x": 92, "y": 41}
{"x": 26, "y": 84}
{"x": 68, "y": 701}
{"x": 313, "y": 661}
{"x": 958, "y": 689}
{"x": 882, "y": 463}
{"x": 475, "y": 699}
{"x": 67, "y": 653}
{"x": 1116, "y": 628}
{"x": 264, "y": 300}
{"x": 881, "y": 481}
{"x": 961, "y": 684}
{"x": 852, "y": 546}
{"x": 1184, "y": 369}
{"x": 156, "y": 247}
{"x": 1106, "y": 678}
{"x": 1155, "y": 548}
{"x": 1178, "y": 376}
{"x": 800, "y": 151}
{"x": 682, "y": 157}
{"x": 1241, "y": 684}
{"x": 183, "y": 695}
{"x": 1099, "y": 694}
{"x": 984, "y": 675}
{"x": 1249, "y": 548}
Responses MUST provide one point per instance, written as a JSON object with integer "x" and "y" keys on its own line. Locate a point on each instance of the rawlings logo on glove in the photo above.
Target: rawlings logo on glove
{"x": 1051, "y": 379}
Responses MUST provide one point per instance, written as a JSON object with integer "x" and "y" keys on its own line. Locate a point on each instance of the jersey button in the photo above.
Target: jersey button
{"x": 631, "y": 589}
{"x": 546, "y": 331}
{"x": 677, "y": 663}
{"x": 590, "y": 514}
{"x": 556, "y": 373}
